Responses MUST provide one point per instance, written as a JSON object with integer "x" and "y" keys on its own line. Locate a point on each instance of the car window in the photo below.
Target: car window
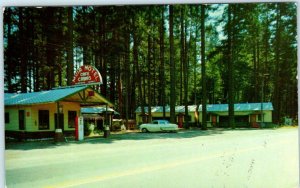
{"x": 155, "y": 122}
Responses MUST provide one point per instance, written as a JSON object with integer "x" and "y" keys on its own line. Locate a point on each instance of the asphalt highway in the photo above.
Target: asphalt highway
{"x": 190, "y": 158}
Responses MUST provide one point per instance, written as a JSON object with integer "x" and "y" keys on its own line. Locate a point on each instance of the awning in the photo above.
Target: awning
{"x": 92, "y": 117}
{"x": 98, "y": 110}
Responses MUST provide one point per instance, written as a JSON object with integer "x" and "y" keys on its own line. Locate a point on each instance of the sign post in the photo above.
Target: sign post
{"x": 85, "y": 75}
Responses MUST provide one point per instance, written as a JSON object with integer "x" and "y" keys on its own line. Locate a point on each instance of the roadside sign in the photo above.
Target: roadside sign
{"x": 87, "y": 74}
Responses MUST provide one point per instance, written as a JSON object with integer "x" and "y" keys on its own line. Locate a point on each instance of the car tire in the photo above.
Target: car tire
{"x": 144, "y": 130}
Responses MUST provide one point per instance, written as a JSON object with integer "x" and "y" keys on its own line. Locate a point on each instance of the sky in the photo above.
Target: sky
{"x": 217, "y": 15}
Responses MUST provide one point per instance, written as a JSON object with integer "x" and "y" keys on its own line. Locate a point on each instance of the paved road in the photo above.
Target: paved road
{"x": 193, "y": 158}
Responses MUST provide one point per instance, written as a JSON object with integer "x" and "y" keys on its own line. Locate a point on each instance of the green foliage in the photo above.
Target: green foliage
{"x": 262, "y": 41}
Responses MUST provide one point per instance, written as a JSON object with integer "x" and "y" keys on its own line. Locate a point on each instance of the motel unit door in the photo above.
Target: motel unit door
{"x": 253, "y": 121}
{"x": 21, "y": 119}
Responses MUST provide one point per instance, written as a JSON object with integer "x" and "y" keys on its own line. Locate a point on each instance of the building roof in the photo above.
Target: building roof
{"x": 70, "y": 93}
{"x": 238, "y": 107}
{"x": 214, "y": 107}
{"x": 97, "y": 110}
{"x": 178, "y": 109}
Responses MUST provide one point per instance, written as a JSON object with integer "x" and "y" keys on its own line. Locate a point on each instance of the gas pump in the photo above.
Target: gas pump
{"x": 106, "y": 124}
{"x": 79, "y": 130}
{"x": 106, "y": 131}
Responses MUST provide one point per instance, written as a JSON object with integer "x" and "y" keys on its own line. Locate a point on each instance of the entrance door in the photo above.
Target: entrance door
{"x": 21, "y": 119}
{"x": 214, "y": 120}
{"x": 61, "y": 121}
{"x": 253, "y": 121}
{"x": 180, "y": 121}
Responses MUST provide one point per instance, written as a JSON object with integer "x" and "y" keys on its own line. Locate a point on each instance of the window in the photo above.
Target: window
{"x": 71, "y": 119}
{"x": 6, "y": 117}
{"x": 208, "y": 117}
{"x": 43, "y": 119}
{"x": 259, "y": 117}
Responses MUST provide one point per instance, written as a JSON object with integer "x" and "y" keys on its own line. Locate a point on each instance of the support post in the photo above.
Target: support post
{"x": 58, "y": 135}
{"x": 106, "y": 126}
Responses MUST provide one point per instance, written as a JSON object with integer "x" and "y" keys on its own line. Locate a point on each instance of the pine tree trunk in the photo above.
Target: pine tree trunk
{"x": 120, "y": 88}
{"x": 149, "y": 62}
{"x": 138, "y": 72}
{"x": 103, "y": 63}
{"x": 23, "y": 52}
{"x": 230, "y": 69}
{"x": 182, "y": 52}
{"x": 149, "y": 78}
{"x": 172, "y": 68}
{"x": 50, "y": 51}
{"x": 127, "y": 72}
{"x": 277, "y": 106}
{"x": 112, "y": 75}
{"x": 10, "y": 67}
{"x": 203, "y": 69}
{"x": 185, "y": 72}
{"x": 70, "y": 56}
{"x": 162, "y": 63}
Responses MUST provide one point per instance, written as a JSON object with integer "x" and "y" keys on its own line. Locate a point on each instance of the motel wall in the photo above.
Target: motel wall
{"x": 159, "y": 115}
{"x": 267, "y": 116}
{"x": 194, "y": 116}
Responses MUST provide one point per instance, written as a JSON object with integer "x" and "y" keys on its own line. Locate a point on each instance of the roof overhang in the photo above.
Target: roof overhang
{"x": 85, "y": 95}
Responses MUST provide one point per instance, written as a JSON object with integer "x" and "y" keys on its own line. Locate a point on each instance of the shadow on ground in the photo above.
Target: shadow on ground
{"x": 115, "y": 137}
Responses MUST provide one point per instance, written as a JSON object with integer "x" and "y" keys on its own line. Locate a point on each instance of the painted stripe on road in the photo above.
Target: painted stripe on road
{"x": 173, "y": 164}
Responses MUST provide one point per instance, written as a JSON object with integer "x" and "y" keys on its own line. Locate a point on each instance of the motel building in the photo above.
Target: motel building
{"x": 157, "y": 113}
{"x": 45, "y": 114}
{"x": 253, "y": 115}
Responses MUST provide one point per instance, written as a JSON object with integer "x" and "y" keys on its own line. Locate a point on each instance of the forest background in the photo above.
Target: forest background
{"x": 159, "y": 54}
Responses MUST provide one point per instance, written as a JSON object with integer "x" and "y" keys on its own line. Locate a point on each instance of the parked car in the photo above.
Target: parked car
{"x": 158, "y": 126}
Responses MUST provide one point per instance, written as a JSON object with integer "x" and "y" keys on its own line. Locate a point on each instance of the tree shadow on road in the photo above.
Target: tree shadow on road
{"x": 116, "y": 137}
{"x": 137, "y": 136}
{"x": 30, "y": 145}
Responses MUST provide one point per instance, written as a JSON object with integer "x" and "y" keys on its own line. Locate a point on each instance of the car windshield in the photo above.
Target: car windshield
{"x": 163, "y": 122}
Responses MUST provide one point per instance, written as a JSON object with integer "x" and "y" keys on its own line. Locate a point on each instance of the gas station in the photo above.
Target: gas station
{"x": 89, "y": 75}
{"x": 55, "y": 113}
